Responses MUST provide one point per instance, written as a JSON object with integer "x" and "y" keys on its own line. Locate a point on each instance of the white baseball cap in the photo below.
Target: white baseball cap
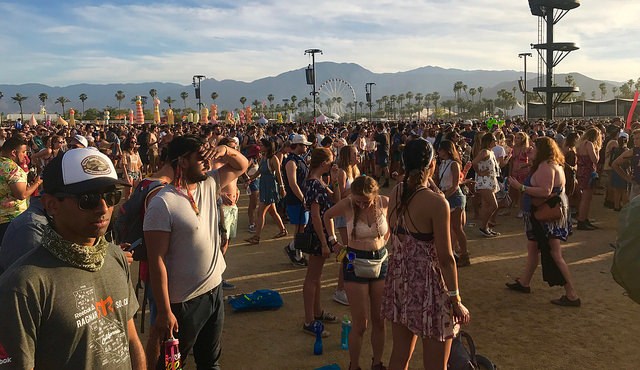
{"x": 80, "y": 171}
{"x": 81, "y": 139}
{"x": 300, "y": 139}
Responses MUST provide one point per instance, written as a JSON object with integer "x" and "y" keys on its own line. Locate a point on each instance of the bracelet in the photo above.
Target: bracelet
{"x": 523, "y": 188}
{"x": 453, "y": 293}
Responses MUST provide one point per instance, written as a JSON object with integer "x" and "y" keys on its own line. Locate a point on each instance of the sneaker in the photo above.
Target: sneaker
{"x": 584, "y": 225}
{"x": 311, "y": 329}
{"x": 298, "y": 262}
{"x": 326, "y": 317}
{"x": 252, "y": 228}
{"x": 486, "y": 233}
{"x": 340, "y": 296}
{"x": 493, "y": 232}
{"x": 227, "y": 285}
{"x": 515, "y": 285}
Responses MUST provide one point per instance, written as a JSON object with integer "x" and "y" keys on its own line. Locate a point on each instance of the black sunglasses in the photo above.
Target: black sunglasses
{"x": 87, "y": 202}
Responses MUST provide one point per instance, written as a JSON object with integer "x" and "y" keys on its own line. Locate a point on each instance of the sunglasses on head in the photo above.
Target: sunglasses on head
{"x": 87, "y": 202}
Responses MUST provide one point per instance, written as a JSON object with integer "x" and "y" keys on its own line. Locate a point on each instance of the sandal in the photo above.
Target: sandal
{"x": 518, "y": 287}
{"x": 253, "y": 240}
{"x": 326, "y": 317}
{"x": 566, "y": 302}
{"x": 281, "y": 234}
{"x": 463, "y": 260}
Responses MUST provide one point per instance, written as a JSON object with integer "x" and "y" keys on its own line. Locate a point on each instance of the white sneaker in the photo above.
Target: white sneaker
{"x": 340, "y": 296}
{"x": 252, "y": 228}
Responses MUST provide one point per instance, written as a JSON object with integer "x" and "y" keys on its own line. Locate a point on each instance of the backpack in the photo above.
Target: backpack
{"x": 128, "y": 224}
{"x": 464, "y": 357}
{"x": 626, "y": 258}
{"x": 260, "y": 300}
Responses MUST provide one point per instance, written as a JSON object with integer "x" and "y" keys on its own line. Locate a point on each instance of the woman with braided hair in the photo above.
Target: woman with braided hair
{"x": 365, "y": 214}
{"x": 421, "y": 297}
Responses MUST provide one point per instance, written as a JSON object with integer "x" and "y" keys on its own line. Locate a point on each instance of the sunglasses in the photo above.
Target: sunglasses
{"x": 351, "y": 256}
{"x": 88, "y": 202}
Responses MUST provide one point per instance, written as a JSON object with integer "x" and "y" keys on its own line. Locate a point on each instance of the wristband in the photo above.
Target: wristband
{"x": 453, "y": 293}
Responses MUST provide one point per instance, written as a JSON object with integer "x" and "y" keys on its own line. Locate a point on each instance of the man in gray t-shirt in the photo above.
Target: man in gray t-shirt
{"x": 183, "y": 248}
{"x": 69, "y": 303}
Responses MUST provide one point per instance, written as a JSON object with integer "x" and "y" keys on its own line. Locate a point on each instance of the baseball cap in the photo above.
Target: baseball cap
{"x": 467, "y": 122}
{"x": 81, "y": 140}
{"x": 80, "y": 171}
{"x": 446, "y": 126}
{"x": 182, "y": 145}
{"x": 299, "y": 139}
{"x": 624, "y": 134}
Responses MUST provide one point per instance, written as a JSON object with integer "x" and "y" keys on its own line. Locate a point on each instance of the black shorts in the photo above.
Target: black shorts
{"x": 382, "y": 159}
{"x": 350, "y": 275}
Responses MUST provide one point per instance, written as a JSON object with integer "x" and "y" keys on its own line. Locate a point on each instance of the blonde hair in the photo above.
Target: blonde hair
{"x": 364, "y": 186}
{"x": 593, "y": 135}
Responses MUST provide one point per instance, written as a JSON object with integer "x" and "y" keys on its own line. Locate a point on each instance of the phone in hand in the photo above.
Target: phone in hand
{"x": 135, "y": 245}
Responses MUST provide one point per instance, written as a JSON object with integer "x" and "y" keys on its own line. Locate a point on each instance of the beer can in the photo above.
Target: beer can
{"x": 172, "y": 354}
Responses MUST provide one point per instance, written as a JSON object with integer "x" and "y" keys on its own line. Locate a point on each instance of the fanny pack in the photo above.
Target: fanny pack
{"x": 368, "y": 268}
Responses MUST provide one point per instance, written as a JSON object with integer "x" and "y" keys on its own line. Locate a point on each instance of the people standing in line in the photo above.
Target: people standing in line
{"x": 587, "y": 151}
{"x": 318, "y": 199}
{"x": 14, "y": 189}
{"x": 295, "y": 173}
{"x": 546, "y": 179}
{"x": 271, "y": 191}
{"x": 365, "y": 213}
{"x": 184, "y": 250}
{"x": 630, "y": 158}
{"x": 449, "y": 171}
{"x": 487, "y": 170}
{"x": 347, "y": 172}
{"x": 69, "y": 304}
{"x": 421, "y": 296}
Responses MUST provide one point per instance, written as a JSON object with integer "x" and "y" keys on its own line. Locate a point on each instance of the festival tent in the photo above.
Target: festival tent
{"x": 321, "y": 118}
{"x": 262, "y": 120}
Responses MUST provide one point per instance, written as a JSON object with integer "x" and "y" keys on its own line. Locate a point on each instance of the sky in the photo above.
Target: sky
{"x": 66, "y": 42}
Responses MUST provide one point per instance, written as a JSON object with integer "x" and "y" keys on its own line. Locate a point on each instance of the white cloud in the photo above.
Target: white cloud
{"x": 249, "y": 40}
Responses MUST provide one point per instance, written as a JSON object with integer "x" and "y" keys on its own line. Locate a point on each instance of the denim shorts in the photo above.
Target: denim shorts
{"x": 457, "y": 200}
{"x": 254, "y": 185}
{"x": 297, "y": 214}
{"x": 350, "y": 275}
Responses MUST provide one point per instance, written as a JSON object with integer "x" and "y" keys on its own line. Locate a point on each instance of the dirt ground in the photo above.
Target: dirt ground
{"x": 516, "y": 331}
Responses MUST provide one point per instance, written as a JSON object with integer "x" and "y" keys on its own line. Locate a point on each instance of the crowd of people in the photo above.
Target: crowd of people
{"x": 66, "y": 287}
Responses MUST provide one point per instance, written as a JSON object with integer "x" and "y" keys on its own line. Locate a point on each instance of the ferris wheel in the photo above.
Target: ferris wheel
{"x": 333, "y": 96}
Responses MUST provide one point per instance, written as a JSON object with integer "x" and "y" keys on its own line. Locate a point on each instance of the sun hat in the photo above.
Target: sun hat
{"x": 300, "y": 139}
{"x": 80, "y": 171}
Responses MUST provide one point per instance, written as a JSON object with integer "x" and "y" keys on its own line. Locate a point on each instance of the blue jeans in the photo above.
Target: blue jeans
{"x": 200, "y": 321}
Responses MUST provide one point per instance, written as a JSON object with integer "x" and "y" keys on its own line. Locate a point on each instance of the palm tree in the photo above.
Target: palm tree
{"x": 434, "y": 98}
{"x": 603, "y": 90}
{"x": 271, "y": 98}
{"x": 62, "y": 101}
{"x": 153, "y": 93}
{"x": 184, "y": 95}
{"x": 480, "y": 90}
{"x": 83, "y": 97}
{"x": 169, "y": 101}
{"x": 43, "y": 97}
{"x": 306, "y": 102}
{"x": 19, "y": 99}
{"x": 614, "y": 90}
{"x": 120, "y": 97}
{"x": 393, "y": 99}
{"x": 472, "y": 92}
{"x": 256, "y": 105}
{"x": 294, "y": 99}
{"x": 242, "y": 101}
{"x": 214, "y": 96}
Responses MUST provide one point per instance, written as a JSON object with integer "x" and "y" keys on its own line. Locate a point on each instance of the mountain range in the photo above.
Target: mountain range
{"x": 329, "y": 75}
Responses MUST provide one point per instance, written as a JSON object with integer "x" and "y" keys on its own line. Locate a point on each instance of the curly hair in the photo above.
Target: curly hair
{"x": 547, "y": 150}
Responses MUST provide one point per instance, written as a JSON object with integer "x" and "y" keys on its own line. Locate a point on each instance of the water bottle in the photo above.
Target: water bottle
{"x": 346, "y": 328}
{"x": 318, "y": 327}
